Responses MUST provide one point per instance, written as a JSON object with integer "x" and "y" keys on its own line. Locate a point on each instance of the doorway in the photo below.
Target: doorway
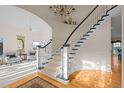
{"x": 116, "y": 42}
{"x": 1, "y": 46}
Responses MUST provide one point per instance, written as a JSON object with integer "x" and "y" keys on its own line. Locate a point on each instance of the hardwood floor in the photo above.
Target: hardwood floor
{"x": 116, "y": 69}
{"x": 54, "y": 82}
{"x": 98, "y": 79}
{"x": 95, "y": 79}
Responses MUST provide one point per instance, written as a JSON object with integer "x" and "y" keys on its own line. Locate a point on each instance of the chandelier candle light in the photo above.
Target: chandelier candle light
{"x": 64, "y": 11}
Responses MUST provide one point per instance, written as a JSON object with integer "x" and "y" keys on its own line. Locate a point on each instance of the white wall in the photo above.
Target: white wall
{"x": 95, "y": 53}
{"x": 60, "y": 34}
{"x": 16, "y": 21}
{"x": 122, "y": 71}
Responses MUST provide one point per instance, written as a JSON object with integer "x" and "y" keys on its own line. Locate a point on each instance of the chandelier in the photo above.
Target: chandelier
{"x": 62, "y": 10}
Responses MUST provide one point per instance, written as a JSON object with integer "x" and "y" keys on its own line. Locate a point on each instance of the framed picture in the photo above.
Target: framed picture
{"x": 21, "y": 43}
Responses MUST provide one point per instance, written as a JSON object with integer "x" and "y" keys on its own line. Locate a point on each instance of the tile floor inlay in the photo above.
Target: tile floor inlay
{"x": 37, "y": 83}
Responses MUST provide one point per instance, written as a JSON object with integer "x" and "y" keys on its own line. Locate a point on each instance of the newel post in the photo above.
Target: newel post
{"x": 39, "y": 57}
{"x": 64, "y": 63}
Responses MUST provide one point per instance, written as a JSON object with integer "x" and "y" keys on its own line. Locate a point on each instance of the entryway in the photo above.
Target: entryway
{"x": 116, "y": 42}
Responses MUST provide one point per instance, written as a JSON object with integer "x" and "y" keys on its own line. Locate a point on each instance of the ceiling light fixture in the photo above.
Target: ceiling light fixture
{"x": 62, "y": 10}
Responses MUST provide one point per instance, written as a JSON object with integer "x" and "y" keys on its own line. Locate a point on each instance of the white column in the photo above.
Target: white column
{"x": 40, "y": 58}
{"x": 65, "y": 62}
{"x": 61, "y": 69}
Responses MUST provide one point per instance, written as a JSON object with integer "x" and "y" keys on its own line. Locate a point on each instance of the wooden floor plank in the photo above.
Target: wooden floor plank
{"x": 54, "y": 82}
{"x": 98, "y": 79}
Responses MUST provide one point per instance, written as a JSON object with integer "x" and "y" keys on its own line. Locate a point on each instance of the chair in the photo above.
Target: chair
{"x": 12, "y": 58}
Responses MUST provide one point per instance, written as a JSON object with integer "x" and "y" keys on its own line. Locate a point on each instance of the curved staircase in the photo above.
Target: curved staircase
{"x": 87, "y": 27}
{"x": 97, "y": 22}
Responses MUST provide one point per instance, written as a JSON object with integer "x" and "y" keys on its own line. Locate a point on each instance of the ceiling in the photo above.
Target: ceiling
{"x": 47, "y": 15}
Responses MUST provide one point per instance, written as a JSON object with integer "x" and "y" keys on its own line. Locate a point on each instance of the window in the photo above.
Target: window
{"x": 117, "y": 44}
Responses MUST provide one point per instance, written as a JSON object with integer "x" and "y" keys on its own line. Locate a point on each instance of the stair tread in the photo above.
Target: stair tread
{"x": 90, "y": 32}
{"x": 74, "y": 49}
{"x": 71, "y": 57}
{"x": 80, "y": 42}
{"x": 105, "y": 15}
{"x": 51, "y": 69}
{"x": 77, "y": 45}
{"x": 93, "y": 28}
{"x": 72, "y": 53}
{"x": 96, "y": 24}
{"x": 100, "y": 20}
{"x": 83, "y": 38}
{"x": 53, "y": 64}
{"x": 85, "y": 35}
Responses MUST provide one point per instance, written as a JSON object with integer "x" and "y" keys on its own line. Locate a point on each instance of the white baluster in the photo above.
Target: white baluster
{"x": 105, "y": 8}
{"x": 95, "y": 17}
{"x": 99, "y": 13}
{"x": 65, "y": 62}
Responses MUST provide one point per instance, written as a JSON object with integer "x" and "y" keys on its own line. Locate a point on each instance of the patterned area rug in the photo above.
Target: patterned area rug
{"x": 37, "y": 83}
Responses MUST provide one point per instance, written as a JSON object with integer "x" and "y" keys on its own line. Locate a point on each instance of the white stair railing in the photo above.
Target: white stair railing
{"x": 43, "y": 53}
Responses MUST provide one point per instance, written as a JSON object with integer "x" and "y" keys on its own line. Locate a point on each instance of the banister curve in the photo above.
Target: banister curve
{"x": 79, "y": 25}
{"x": 46, "y": 44}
